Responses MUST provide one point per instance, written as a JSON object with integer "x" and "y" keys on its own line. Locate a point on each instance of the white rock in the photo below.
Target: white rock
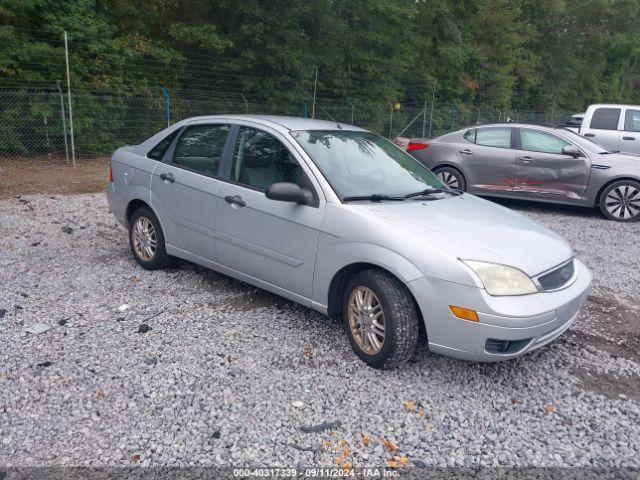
{"x": 37, "y": 328}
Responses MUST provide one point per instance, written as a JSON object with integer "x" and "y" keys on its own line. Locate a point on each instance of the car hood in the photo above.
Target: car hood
{"x": 625, "y": 159}
{"x": 468, "y": 227}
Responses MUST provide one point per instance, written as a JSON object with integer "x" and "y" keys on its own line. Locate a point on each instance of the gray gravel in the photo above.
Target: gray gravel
{"x": 229, "y": 375}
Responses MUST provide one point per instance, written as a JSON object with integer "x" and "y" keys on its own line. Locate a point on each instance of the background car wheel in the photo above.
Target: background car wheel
{"x": 381, "y": 319}
{"x": 621, "y": 201}
{"x": 451, "y": 177}
{"x": 146, "y": 240}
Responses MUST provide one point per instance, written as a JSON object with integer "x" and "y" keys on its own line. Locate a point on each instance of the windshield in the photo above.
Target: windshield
{"x": 362, "y": 163}
{"x": 584, "y": 143}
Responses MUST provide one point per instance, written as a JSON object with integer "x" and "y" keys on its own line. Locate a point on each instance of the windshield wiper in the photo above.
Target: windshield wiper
{"x": 376, "y": 197}
{"x": 430, "y": 191}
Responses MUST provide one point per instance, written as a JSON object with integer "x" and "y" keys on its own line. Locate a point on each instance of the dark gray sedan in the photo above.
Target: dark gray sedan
{"x": 535, "y": 163}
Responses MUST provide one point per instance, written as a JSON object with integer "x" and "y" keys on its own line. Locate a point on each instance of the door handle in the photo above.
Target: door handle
{"x": 628, "y": 138}
{"x": 235, "y": 200}
{"x": 526, "y": 159}
{"x": 167, "y": 177}
{"x": 589, "y": 134}
{"x": 466, "y": 151}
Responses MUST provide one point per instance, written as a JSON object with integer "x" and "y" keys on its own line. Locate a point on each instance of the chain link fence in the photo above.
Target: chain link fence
{"x": 36, "y": 123}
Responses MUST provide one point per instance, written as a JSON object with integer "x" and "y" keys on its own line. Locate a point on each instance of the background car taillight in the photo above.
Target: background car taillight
{"x": 110, "y": 173}
{"x": 413, "y": 146}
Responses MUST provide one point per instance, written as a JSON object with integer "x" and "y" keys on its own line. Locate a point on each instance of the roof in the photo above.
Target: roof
{"x": 290, "y": 123}
{"x": 509, "y": 124}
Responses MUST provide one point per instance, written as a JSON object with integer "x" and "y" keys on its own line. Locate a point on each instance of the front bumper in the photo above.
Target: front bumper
{"x": 508, "y": 326}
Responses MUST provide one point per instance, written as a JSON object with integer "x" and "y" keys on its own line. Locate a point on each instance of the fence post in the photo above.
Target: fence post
{"x": 390, "y": 120}
{"x": 246, "y": 104}
{"x": 424, "y": 118}
{"x": 315, "y": 88}
{"x": 66, "y": 58}
{"x": 64, "y": 125}
{"x": 454, "y": 111}
{"x": 433, "y": 100}
{"x": 167, "y": 104}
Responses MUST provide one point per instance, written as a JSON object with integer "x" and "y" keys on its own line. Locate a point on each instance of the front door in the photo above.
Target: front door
{"x": 184, "y": 189}
{"x": 272, "y": 241}
{"x": 630, "y": 142}
{"x": 488, "y": 159}
{"x": 542, "y": 170}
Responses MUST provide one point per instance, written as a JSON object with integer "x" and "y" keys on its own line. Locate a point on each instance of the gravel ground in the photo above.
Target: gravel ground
{"x": 229, "y": 375}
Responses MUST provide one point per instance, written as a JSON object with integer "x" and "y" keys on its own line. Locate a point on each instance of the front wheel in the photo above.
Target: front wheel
{"x": 381, "y": 319}
{"x": 620, "y": 201}
{"x": 451, "y": 177}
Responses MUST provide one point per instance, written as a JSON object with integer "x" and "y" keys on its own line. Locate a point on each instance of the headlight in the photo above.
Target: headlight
{"x": 501, "y": 279}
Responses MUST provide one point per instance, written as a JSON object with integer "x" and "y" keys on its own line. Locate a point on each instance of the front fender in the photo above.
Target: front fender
{"x": 332, "y": 258}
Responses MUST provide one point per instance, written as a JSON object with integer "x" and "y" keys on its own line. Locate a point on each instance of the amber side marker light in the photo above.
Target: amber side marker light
{"x": 464, "y": 313}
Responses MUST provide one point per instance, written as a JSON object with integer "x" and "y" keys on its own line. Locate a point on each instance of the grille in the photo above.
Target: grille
{"x": 558, "y": 277}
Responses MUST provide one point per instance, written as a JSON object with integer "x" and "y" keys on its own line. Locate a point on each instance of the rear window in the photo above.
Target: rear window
{"x": 470, "y": 136}
{"x": 494, "y": 137}
{"x": 157, "y": 152}
{"x": 605, "y": 118}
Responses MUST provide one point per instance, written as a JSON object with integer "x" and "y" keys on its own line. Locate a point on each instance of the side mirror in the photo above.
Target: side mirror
{"x": 572, "y": 150}
{"x": 288, "y": 192}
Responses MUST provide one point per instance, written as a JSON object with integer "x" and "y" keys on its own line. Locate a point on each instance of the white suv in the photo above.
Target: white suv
{"x": 615, "y": 127}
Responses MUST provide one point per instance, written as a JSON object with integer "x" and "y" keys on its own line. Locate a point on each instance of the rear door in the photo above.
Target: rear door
{"x": 542, "y": 170}
{"x": 604, "y": 127}
{"x": 487, "y": 158}
{"x": 184, "y": 188}
{"x": 630, "y": 142}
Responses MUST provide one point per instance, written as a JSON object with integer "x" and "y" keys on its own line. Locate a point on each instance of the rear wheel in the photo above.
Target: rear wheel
{"x": 147, "y": 240}
{"x": 381, "y": 319}
{"x": 620, "y": 201}
{"x": 451, "y": 177}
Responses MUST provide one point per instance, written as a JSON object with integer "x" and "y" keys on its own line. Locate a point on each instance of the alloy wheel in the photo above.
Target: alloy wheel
{"x": 448, "y": 179}
{"x": 144, "y": 239}
{"x": 623, "y": 202}
{"x": 366, "y": 320}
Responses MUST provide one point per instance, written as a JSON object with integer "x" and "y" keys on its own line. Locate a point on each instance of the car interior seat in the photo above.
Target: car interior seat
{"x": 258, "y": 164}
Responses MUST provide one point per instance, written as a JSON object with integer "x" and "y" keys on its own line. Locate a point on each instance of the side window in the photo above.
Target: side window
{"x": 632, "y": 120}
{"x": 470, "y": 135}
{"x": 605, "y": 118}
{"x": 538, "y": 141}
{"x": 200, "y": 148}
{"x": 260, "y": 160}
{"x": 494, "y": 137}
{"x": 157, "y": 152}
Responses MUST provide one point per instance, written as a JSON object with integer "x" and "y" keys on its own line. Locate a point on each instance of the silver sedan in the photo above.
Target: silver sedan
{"x": 342, "y": 221}
{"x": 535, "y": 163}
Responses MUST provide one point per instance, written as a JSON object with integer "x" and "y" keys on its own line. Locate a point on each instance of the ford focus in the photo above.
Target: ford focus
{"x": 342, "y": 221}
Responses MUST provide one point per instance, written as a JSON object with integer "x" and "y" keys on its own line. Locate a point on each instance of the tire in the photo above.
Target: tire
{"x": 620, "y": 201}
{"x": 400, "y": 319}
{"x": 155, "y": 257}
{"x": 451, "y": 177}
